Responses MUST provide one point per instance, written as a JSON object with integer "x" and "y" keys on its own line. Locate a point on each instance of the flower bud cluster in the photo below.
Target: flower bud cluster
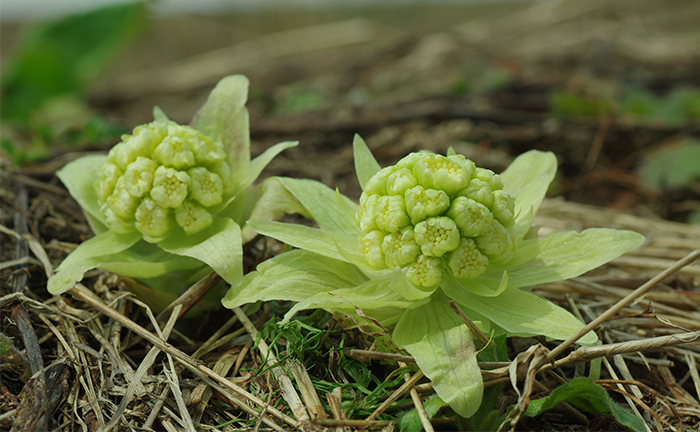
{"x": 431, "y": 213}
{"x": 163, "y": 175}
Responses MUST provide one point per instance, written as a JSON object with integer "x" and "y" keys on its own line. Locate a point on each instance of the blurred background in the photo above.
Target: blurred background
{"x": 613, "y": 88}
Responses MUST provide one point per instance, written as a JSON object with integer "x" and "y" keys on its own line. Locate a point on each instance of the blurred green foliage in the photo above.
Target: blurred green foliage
{"x": 674, "y": 166}
{"x": 679, "y": 106}
{"x": 44, "y": 81}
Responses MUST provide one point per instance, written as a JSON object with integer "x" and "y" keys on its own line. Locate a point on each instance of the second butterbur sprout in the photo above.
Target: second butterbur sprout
{"x": 163, "y": 175}
{"x": 429, "y": 214}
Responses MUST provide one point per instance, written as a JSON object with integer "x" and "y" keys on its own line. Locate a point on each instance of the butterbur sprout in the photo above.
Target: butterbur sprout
{"x": 169, "y": 201}
{"x": 427, "y": 230}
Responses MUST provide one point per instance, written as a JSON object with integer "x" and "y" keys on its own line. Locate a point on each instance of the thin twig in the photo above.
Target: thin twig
{"x": 425, "y": 421}
{"x": 620, "y": 304}
{"x": 476, "y": 331}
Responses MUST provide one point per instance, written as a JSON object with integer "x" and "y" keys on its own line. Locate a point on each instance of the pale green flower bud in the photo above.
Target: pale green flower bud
{"x": 169, "y": 187}
{"x": 467, "y": 262}
{"x": 498, "y": 244}
{"x": 121, "y": 202}
{"x": 371, "y": 247}
{"x": 152, "y": 219}
{"x": 479, "y": 191}
{"x": 400, "y": 248}
{"x": 423, "y": 203}
{"x": 205, "y": 187}
{"x": 139, "y": 176}
{"x": 437, "y": 236}
{"x": 503, "y": 208}
{"x": 377, "y": 184}
{"x": 366, "y": 217}
{"x": 141, "y": 144}
{"x": 390, "y": 213}
{"x": 467, "y": 165}
{"x": 223, "y": 170}
{"x": 425, "y": 272}
{"x": 175, "y": 152}
{"x": 486, "y": 175}
{"x": 439, "y": 172}
{"x": 192, "y": 217}
{"x": 472, "y": 218}
{"x": 400, "y": 181}
{"x": 116, "y": 223}
{"x": 452, "y": 216}
{"x": 408, "y": 161}
{"x": 109, "y": 174}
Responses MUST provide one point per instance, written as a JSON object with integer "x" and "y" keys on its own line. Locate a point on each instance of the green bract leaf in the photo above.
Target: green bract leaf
{"x": 374, "y": 299}
{"x": 219, "y": 246}
{"x": 571, "y": 254}
{"x": 587, "y": 395}
{"x": 365, "y": 164}
{"x": 87, "y": 256}
{"x": 79, "y": 177}
{"x": 321, "y": 203}
{"x": 522, "y": 313}
{"x": 246, "y": 177}
{"x": 267, "y": 201}
{"x": 224, "y": 118}
{"x": 294, "y": 276}
{"x": 527, "y": 179}
{"x": 444, "y": 350}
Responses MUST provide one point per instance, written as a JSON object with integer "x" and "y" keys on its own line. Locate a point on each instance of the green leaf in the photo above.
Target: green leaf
{"x": 673, "y": 166}
{"x": 571, "y": 254}
{"x": 365, "y": 164}
{"x": 495, "y": 351}
{"x": 219, "y": 246}
{"x": 267, "y": 201}
{"x": 409, "y": 421}
{"x": 64, "y": 56}
{"x": 322, "y": 242}
{"x": 374, "y": 298}
{"x": 444, "y": 350}
{"x": 587, "y": 395}
{"x": 322, "y": 204}
{"x": 527, "y": 178}
{"x": 293, "y": 276}
{"x": 224, "y": 118}
{"x": 247, "y": 176}
{"x": 521, "y": 313}
{"x": 79, "y": 177}
{"x": 87, "y": 256}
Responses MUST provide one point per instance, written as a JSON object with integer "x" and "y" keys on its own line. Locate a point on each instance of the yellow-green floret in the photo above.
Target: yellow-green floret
{"x": 430, "y": 213}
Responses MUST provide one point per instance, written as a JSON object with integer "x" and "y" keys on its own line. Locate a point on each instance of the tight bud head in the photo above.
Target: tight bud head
{"x": 152, "y": 219}
{"x": 437, "y": 236}
{"x": 400, "y": 181}
{"x": 423, "y": 203}
{"x": 498, "y": 243}
{"x": 400, "y": 248}
{"x": 371, "y": 247}
{"x": 192, "y": 217}
{"x": 390, "y": 213}
{"x": 438, "y": 172}
{"x": 467, "y": 261}
{"x": 170, "y": 187}
{"x": 205, "y": 186}
{"x": 472, "y": 218}
{"x": 425, "y": 272}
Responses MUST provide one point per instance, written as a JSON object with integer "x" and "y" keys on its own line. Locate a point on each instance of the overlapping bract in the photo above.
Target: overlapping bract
{"x": 430, "y": 213}
{"x": 161, "y": 175}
